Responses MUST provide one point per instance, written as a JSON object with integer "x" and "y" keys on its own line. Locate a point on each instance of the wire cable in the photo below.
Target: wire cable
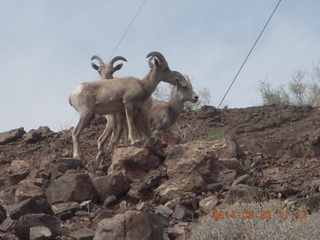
{"x": 244, "y": 62}
{"x": 119, "y": 42}
{"x": 127, "y": 29}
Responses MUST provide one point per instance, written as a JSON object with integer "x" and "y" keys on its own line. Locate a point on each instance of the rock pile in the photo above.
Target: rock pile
{"x": 150, "y": 192}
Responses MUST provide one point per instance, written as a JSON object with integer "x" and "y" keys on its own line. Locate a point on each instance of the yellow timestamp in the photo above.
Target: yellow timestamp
{"x": 264, "y": 215}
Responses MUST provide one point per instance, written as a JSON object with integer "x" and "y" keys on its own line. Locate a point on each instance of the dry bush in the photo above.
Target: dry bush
{"x": 303, "y": 89}
{"x": 262, "y": 226}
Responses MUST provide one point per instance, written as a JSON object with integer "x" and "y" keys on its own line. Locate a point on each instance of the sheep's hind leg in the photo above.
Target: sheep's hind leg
{"x": 83, "y": 122}
{"x": 129, "y": 114}
{"x": 109, "y": 129}
{"x": 121, "y": 117}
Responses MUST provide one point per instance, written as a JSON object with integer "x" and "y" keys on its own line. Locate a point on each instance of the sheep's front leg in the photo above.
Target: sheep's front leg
{"x": 145, "y": 120}
{"x": 129, "y": 114}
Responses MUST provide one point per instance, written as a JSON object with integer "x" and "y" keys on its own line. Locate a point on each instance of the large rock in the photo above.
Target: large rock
{"x": 65, "y": 210}
{"x": 207, "y": 204}
{"x": 178, "y": 231}
{"x": 27, "y": 189}
{"x": 182, "y": 213}
{"x": 18, "y": 170}
{"x": 243, "y": 193}
{"x": 163, "y": 211}
{"x": 26, "y": 222}
{"x": 214, "y": 161}
{"x": 111, "y": 185}
{"x": 227, "y": 147}
{"x": 192, "y": 157}
{"x": 25, "y": 207}
{"x": 71, "y": 187}
{"x": 111, "y": 228}
{"x": 11, "y": 136}
{"x": 131, "y": 225}
{"x": 141, "y": 190}
{"x": 39, "y": 233}
{"x": 134, "y": 163}
{"x": 176, "y": 187}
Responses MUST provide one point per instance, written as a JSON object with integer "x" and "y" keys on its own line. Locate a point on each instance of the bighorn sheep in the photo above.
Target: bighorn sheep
{"x": 121, "y": 95}
{"x": 106, "y": 70}
{"x": 164, "y": 114}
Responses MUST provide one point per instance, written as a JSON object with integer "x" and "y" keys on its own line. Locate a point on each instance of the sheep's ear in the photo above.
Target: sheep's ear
{"x": 118, "y": 67}
{"x": 94, "y": 66}
{"x": 156, "y": 61}
{"x": 151, "y": 64}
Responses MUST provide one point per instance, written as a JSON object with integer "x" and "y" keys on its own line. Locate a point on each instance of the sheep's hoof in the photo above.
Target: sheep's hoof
{"x": 99, "y": 156}
{"x": 103, "y": 159}
{"x": 81, "y": 158}
{"x": 137, "y": 143}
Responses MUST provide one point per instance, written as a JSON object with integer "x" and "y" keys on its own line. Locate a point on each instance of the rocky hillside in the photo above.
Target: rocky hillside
{"x": 211, "y": 158}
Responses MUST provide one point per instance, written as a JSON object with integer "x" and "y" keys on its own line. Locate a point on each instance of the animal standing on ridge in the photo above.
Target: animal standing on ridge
{"x": 120, "y": 95}
{"x": 106, "y": 71}
{"x": 164, "y": 114}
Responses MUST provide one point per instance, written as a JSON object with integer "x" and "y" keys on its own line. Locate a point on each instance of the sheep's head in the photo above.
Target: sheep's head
{"x": 159, "y": 66}
{"x": 185, "y": 89}
{"x": 106, "y": 70}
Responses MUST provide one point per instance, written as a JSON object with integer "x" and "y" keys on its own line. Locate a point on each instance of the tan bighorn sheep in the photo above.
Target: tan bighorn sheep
{"x": 120, "y": 95}
{"x": 106, "y": 70}
{"x": 164, "y": 114}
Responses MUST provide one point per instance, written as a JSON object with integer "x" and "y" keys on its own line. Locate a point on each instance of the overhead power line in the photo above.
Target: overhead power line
{"x": 120, "y": 41}
{"x": 244, "y": 62}
{"x": 127, "y": 29}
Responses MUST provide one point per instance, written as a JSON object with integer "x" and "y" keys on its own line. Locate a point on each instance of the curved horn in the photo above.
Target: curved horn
{"x": 158, "y": 55}
{"x": 98, "y": 58}
{"x": 117, "y": 58}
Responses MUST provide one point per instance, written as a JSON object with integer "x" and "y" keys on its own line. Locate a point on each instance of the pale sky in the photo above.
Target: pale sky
{"x": 46, "y": 47}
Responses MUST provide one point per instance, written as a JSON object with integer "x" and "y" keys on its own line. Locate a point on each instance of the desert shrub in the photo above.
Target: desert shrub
{"x": 273, "y": 96}
{"x": 303, "y": 89}
{"x": 215, "y": 134}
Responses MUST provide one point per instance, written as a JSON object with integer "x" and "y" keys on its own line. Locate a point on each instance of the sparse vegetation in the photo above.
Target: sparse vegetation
{"x": 187, "y": 131}
{"x": 215, "y": 134}
{"x": 303, "y": 89}
{"x": 267, "y": 220}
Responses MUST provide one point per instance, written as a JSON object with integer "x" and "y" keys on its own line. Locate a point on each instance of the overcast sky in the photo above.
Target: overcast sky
{"x": 46, "y": 47}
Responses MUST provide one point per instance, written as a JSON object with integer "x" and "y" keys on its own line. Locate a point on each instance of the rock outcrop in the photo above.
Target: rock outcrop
{"x": 155, "y": 191}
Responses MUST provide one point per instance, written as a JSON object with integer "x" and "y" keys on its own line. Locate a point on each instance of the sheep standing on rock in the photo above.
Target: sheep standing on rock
{"x": 164, "y": 114}
{"x": 120, "y": 95}
{"x": 106, "y": 71}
